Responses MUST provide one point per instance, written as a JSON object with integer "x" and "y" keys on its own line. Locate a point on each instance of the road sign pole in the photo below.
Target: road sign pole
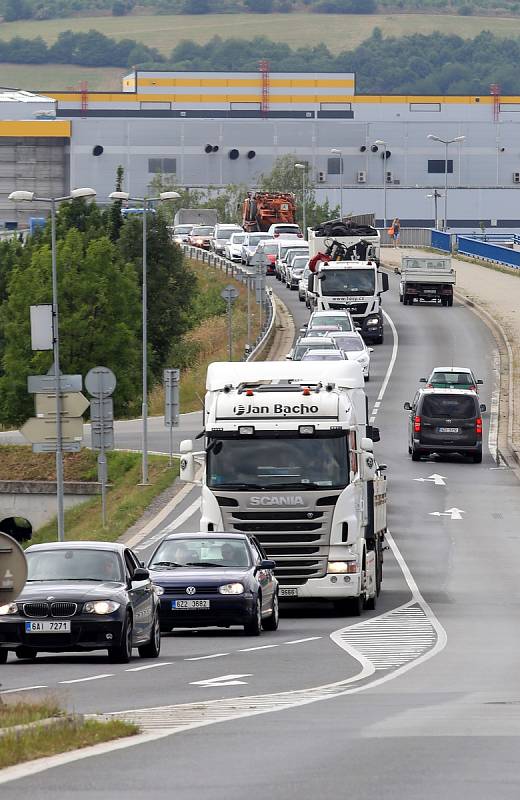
{"x": 56, "y": 353}
{"x": 102, "y": 461}
{"x": 230, "y": 331}
{"x": 144, "y": 477}
{"x": 171, "y": 379}
{"x": 248, "y": 308}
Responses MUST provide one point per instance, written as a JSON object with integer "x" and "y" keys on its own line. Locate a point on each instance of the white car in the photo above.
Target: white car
{"x": 452, "y": 378}
{"x": 354, "y": 348}
{"x": 323, "y": 354}
{"x": 179, "y": 233}
{"x": 303, "y": 285}
{"x": 233, "y": 249}
{"x": 294, "y": 271}
{"x": 340, "y": 318}
{"x": 222, "y": 235}
{"x": 250, "y": 244}
{"x": 285, "y": 230}
{"x": 284, "y": 245}
{"x": 310, "y": 343}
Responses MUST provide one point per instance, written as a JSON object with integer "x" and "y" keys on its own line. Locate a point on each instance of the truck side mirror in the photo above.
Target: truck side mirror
{"x": 367, "y": 465}
{"x": 367, "y": 444}
{"x": 186, "y": 446}
{"x": 376, "y": 437}
{"x": 384, "y": 277}
{"x": 187, "y": 470}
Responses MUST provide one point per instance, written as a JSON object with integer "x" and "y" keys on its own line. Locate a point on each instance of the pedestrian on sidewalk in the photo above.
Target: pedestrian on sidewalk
{"x": 396, "y": 228}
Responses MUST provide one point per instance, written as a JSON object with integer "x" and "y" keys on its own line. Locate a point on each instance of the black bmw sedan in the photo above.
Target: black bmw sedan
{"x": 219, "y": 579}
{"x": 82, "y": 596}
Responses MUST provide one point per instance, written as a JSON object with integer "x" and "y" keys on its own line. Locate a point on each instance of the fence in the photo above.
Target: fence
{"x": 409, "y": 237}
{"x": 488, "y": 252}
{"x": 239, "y": 272}
{"x": 441, "y": 241}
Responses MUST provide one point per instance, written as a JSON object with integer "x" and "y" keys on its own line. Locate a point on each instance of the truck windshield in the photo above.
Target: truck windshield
{"x": 347, "y": 281}
{"x": 277, "y": 462}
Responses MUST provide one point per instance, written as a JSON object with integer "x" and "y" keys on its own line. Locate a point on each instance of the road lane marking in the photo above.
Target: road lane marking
{"x": 90, "y": 678}
{"x": 260, "y": 647}
{"x": 186, "y": 514}
{"x": 202, "y": 658}
{"x": 390, "y": 368}
{"x": 438, "y": 480}
{"x": 223, "y": 680}
{"x": 308, "y": 639}
{"x": 452, "y": 513}
{"x": 24, "y": 689}
{"x": 150, "y": 666}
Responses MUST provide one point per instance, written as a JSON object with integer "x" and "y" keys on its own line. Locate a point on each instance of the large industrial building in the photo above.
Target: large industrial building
{"x": 213, "y": 129}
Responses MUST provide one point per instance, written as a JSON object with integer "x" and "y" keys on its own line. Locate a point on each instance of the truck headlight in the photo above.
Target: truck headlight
{"x": 342, "y": 567}
{"x": 9, "y": 608}
{"x": 101, "y": 607}
{"x": 231, "y": 588}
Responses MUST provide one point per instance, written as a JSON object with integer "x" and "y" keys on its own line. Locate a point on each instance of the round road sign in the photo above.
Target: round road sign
{"x": 229, "y": 293}
{"x": 13, "y": 569}
{"x": 100, "y": 382}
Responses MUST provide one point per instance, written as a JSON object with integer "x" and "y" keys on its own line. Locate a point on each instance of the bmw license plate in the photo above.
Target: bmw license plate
{"x": 181, "y": 605}
{"x": 448, "y": 430}
{"x": 288, "y": 592}
{"x": 50, "y": 626}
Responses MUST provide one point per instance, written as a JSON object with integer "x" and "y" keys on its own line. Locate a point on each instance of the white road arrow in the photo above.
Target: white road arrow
{"x": 453, "y": 513}
{"x": 438, "y": 480}
{"x": 223, "y": 680}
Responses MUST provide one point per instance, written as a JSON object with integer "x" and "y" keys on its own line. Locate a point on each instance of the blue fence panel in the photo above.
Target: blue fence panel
{"x": 489, "y": 252}
{"x": 441, "y": 241}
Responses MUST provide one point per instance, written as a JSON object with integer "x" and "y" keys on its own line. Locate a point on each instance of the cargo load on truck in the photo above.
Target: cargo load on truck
{"x": 429, "y": 278}
{"x": 260, "y": 210}
{"x": 196, "y": 216}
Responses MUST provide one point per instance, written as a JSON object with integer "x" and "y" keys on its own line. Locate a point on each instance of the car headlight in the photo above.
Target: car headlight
{"x": 159, "y": 590}
{"x": 101, "y": 607}
{"x": 9, "y": 608}
{"x": 231, "y": 588}
{"x": 363, "y": 359}
{"x": 342, "y": 567}
{"x": 373, "y": 321}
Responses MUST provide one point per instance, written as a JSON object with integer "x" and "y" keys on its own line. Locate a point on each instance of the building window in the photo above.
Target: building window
{"x": 438, "y": 166}
{"x": 166, "y": 166}
{"x": 334, "y": 166}
{"x": 425, "y": 106}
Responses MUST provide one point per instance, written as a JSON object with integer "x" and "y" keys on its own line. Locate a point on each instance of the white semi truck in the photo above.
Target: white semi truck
{"x": 289, "y": 459}
{"x": 345, "y": 275}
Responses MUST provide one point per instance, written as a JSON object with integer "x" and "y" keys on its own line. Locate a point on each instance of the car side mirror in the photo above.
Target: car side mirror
{"x": 384, "y": 276}
{"x": 422, "y": 380}
{"x": 267, "y": 563}
{"x": 370, "y": 349}
{"x": 480, "y": 382}
{"x": 407, "y": 407}
{"x": 482, "y": 407}
{"x": 376, "y": 437}
{"x": 140, "y": 574}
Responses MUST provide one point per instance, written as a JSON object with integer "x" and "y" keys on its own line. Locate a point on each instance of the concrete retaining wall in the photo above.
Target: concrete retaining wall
{"x": 36, "y": 500}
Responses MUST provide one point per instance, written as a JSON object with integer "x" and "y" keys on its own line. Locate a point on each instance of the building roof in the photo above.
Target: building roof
{"x": 19, "y": 96}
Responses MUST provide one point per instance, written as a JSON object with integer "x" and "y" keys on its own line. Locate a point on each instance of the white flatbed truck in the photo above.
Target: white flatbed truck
{"x": 429, "y": 278}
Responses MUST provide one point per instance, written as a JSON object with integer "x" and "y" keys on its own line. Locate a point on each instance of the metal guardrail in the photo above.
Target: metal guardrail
{"x": 409, "y": 237}
{"x": 239, "y": 272}
{"x": 488, "y": 252}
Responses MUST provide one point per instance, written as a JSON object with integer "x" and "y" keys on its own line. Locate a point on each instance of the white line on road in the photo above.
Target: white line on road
{"x": 308, "y": 639}
{"x": 90, "y": 678}
{"x": 202, "y": 658}
{"x": 222, "y": 680}
{"x": 150, "y": 666}
{"x": 389, "y": 371}
{"x": 186, "y": 514}
{"x": 24, "y": 689}
{"x": 260, "y": 647}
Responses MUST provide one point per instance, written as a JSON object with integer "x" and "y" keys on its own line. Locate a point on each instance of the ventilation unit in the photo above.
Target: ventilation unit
{"x": 322, "y": 177}
{"x": 389, "y": 177}
{"x": 516, "y": 177}
{"x": 361, "y": 176}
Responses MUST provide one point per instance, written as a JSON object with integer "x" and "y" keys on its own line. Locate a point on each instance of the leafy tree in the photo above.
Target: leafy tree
{"x": 16, "y": 9}
{"x": 115, "y": 220}
{"x": 259, "y": 6}
{"x": 196, "y": 7}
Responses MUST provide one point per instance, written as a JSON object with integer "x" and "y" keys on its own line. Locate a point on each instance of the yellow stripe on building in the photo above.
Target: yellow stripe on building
{"x": 279, "y": 83}
{"x": 52, "y": 129}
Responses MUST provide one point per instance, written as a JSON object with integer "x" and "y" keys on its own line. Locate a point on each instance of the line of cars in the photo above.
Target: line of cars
{"x": 86, "y": 595}
{"x": 230, "y": 240}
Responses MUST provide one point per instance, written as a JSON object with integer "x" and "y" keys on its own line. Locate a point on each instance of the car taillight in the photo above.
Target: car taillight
{"x": 271, "y": 259}
{"x": 300, "y": 235}
{"x": 417, "y": 424}
{"x": 478, "y": 426}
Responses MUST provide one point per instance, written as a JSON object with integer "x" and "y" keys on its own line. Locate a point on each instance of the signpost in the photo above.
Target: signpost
{"x": 100, "y": 383}
{"x": 229, "y": 294}
{"x": 171, "y": 402}
{"x": 13, "y": 569}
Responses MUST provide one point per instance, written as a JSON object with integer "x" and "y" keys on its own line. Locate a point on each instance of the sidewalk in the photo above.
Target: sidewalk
{"x": 498, "y": 294}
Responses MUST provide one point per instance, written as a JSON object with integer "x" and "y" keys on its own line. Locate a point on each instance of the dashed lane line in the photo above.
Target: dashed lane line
{"x": 24, "y": 689}
{"x": 260, "y": 647}
{"x": 90, "y": 678}
{"x": 203, "y": 658}
{"x": 186, "y": 514}
{"x": 150, "y": 666}
{"x": 308, "y": 639}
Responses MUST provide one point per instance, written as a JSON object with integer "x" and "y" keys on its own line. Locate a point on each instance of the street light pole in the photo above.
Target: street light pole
{"x": 385, "y": 145}
{"x": 303, "y": 168}
{"x": 25, "y": 196}
{"x": 446, "y": 143}
{"x": 146, "y": 203}
{"x": 339, "y": 152}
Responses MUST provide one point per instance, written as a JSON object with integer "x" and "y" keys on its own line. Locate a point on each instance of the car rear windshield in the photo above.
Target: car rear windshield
{"x": 342, "y": 321}
{"x": 449, "y": 379}
{"x": 225, "y": 233}
{"x": 442, "y": 406}
{"x": 202, "y": 231}
{"x": 349, "y": 343}
{"x": 287, "y": 229}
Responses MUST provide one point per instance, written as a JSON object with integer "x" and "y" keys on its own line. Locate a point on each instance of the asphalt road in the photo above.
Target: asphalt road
{"x": 420, "y": 698}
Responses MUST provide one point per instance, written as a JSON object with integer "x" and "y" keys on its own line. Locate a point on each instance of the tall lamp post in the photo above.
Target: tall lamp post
{"x": 303, "y": 169}
{"x": 146, "y": 203}
{"x": 385, "y": 156}
{"x": 446, "y": 143}
{"x": 435, "y": 197}
{"x": 339, "y": 153}
{"x": 24, "y": 196}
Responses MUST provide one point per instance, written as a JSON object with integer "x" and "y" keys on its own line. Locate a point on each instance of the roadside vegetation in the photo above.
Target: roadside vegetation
{"x": 62, "y": 734}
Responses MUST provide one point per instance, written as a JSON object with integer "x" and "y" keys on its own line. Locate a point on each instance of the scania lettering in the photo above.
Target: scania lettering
{"x": 300, "y": 475}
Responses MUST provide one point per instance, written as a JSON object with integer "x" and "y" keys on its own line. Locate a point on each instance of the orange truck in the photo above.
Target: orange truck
{"x": 263, "y": 209}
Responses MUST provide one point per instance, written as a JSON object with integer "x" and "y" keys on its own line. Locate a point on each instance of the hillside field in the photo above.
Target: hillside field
{"x": 338, "y": 31}
{"x": 49, "y": 77}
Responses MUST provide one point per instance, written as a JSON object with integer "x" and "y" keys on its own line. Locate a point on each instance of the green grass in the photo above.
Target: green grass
{"x": 51, "y": 77}
{"x": 24, "y": 713}
{"x": 297, "y": 30}
{"x": 60, "y": 737}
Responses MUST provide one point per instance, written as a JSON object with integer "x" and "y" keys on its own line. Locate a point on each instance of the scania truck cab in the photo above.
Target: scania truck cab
{"x": 289, "y": 458}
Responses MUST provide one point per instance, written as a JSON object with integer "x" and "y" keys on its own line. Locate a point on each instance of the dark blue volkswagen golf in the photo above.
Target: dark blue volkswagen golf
{"x": 219, "y": 579}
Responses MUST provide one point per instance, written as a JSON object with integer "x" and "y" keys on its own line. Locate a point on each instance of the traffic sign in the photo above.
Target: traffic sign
{"x": 100, "y": 382}
{"x": 229, "y": 293}
{"x": 13, "y": 569}
{"x": 73, "y": 404}
{"x": 171, "y": 397}
{"x": 46, "y": 384}
{"x": 50, "y": 447}
{"x": 39, "y": 431}
{"x": 102, "y": 409}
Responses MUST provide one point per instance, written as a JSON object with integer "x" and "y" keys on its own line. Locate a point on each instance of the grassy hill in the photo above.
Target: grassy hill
{"x": 48, "y": 77}
{"x": 337, "y": 31}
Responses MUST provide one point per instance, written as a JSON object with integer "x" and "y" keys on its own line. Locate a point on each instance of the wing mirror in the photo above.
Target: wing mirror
{"x": 187, "y": 470}
{"x": 376, "y": 437}
{"x": 407, "y": 407}
{"x": 267, "y": 563}
{"x": 384, "y": 276}
{"x": 186, "y": 446}
{"x": 422, "y": 380}
{"x": 482, "y": 407}
{"x": 367, "y": 444}
{"x": 140, "y": 574}
{"x": 370, "y": 349}
{"x": 480, "y": 382}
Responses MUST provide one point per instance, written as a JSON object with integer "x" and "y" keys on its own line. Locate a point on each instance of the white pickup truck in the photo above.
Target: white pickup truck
{"x": 429, "y": 278}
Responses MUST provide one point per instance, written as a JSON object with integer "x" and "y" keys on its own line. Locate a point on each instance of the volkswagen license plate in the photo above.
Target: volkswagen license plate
{"x": 189, "y": 604}
{"x": 288, "y": 592}
{"x": 49, "y": 626}
{"x": 448, "y": 430}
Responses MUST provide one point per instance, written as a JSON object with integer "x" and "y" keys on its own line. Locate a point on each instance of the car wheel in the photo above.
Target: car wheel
{"x": 450, "y": 301}
{"x": 400, "y": 298}
{"x": 349, "y": 607}
{"x": 152, "y": 648}
{"x": 25, "y": 652}
{"x": 367, "y": 378}
{"x": 122, "y": 653}
{"x": 253, "y": 626}
{"x": 409, "y": 450}
{"x": 370, "y": 603}
{"x": 416, "y": 454}
{"x": 477, "y": 458}
{"x": 3, "y": 655}
{"x": 271, "y": 623}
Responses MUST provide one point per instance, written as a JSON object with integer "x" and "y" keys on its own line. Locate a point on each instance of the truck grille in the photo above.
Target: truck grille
{"x": 354, "y": 308}
{"x": 297, "y": 540}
